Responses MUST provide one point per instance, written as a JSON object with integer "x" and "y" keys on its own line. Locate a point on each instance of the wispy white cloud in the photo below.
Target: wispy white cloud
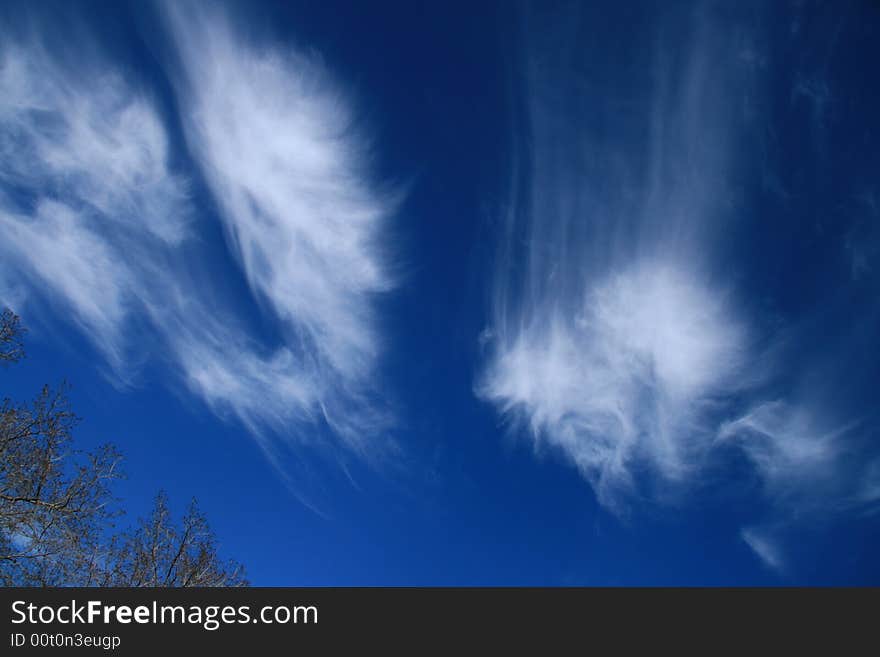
{"x": 84, "y": 169}
{"x": 620, "y": 335}
{"x": 790, "y": 446}
{"x": 55, "y": 250}
{"x": 276, "y": 138}
{"x": 99, "y": 227}
{"x": 614, "y": 335}
{"x": 90, "y": 137}
{"x": 632, "y": 373}
{"x": 808, "y": 469}
{"x": 763, "y": 545}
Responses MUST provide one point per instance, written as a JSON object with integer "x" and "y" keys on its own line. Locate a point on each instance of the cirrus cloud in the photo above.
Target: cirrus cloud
{"x": 102, "y": 229}
{"x": 622, "y": 333}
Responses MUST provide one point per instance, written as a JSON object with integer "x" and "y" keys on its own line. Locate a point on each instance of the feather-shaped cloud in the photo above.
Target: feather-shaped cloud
{"x": 100, "y": 227}
{"x": 620, "y": 332}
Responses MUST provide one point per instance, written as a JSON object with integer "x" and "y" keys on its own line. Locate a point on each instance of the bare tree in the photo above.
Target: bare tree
{"x": 53, "y": 500}
{"x": 11, "y": 332}
{"x": 159, "y": 553}
{"x": 57, "y": 511}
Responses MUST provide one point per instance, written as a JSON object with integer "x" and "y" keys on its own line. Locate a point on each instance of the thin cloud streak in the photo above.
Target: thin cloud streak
{"x": 765, "y": 548}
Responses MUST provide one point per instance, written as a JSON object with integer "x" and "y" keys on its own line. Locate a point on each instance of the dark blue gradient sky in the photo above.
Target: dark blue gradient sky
{"x": 462, "y": 293}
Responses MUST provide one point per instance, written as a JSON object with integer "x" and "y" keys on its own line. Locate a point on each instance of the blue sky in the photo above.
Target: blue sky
{"x": 455, "y": 293}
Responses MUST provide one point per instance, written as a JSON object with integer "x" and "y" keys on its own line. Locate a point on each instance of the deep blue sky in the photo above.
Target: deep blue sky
{"x": 561, "y": 294}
